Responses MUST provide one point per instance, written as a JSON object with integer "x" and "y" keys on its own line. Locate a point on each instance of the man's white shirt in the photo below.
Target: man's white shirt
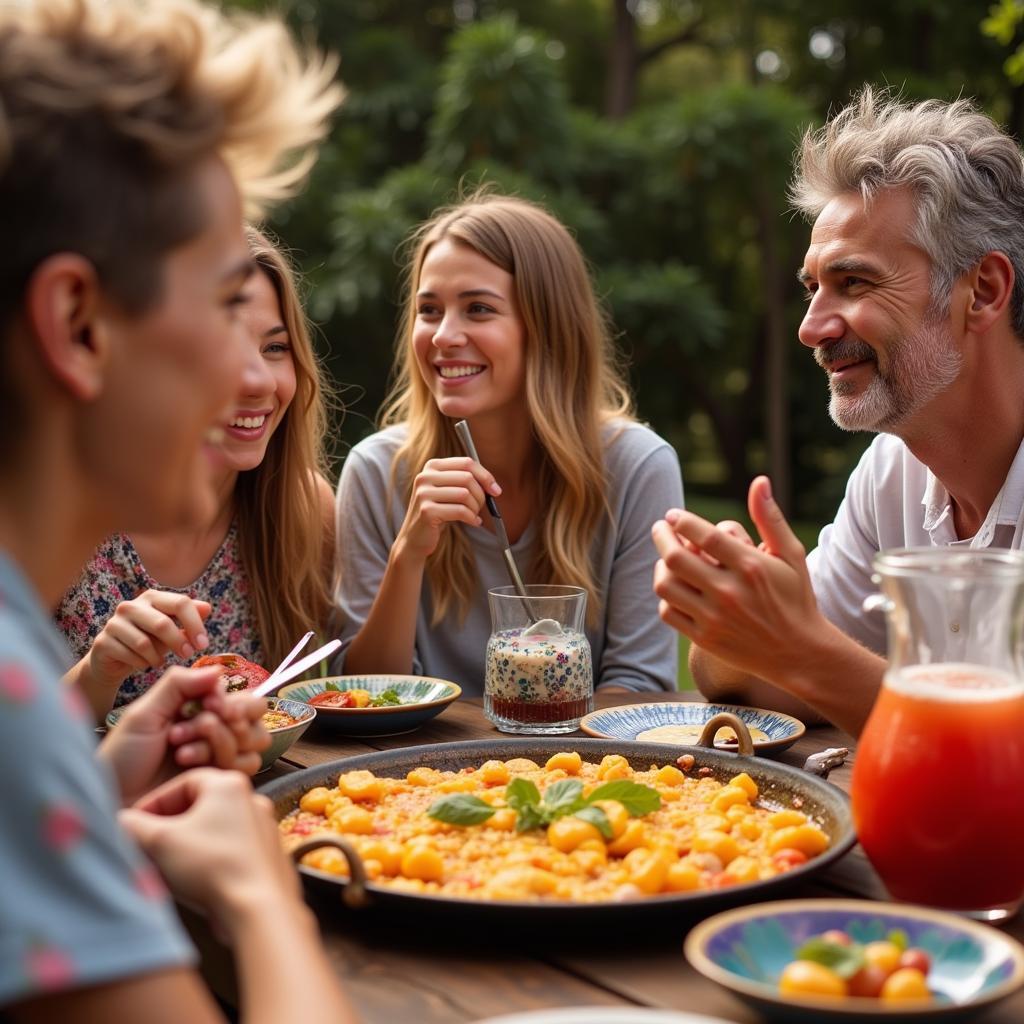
{"x": 894, "y": 501}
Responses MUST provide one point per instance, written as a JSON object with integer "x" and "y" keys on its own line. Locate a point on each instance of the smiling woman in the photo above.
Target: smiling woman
{"x": 501, "y": 328}
{"x": 207, "y": 585}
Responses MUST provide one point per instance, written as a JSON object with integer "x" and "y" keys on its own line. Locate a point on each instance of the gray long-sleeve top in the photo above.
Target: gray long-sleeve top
{"x": 631, "y": 646}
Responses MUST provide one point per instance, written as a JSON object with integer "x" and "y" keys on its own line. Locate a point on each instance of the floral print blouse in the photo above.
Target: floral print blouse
{"x": 116, "y": 573}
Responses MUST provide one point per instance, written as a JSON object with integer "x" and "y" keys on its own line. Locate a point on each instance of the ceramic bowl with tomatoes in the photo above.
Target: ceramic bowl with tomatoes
{"x": 856, "y": 960}
{"x": 381, "y": 705}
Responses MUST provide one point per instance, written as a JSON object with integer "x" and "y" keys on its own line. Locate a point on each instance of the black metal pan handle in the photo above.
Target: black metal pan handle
{"x": 354, "y": 893}
{"x": 745, "y": 745}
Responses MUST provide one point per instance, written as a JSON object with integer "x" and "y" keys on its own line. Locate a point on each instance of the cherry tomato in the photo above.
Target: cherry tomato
{"x": 807, "y": 978}
{"x": 905, "y": 984}
{"x": 883, "y": 954}
{"x": 867, "y": 982}
{"x": 788, "y": 858}
{"x": 332, "y": 699}
{"x": 834, "y": 935}
{"x": 916, "y": 958}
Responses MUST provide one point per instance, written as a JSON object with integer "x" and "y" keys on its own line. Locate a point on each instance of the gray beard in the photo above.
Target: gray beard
{"x": 921, "y": 367}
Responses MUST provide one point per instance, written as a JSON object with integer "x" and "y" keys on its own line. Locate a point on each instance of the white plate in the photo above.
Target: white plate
{"x": 603, "y": 1015}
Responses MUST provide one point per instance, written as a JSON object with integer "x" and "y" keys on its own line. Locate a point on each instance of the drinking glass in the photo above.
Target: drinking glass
{"x": 538, "y": 677}
{"x": 938, "y": 782}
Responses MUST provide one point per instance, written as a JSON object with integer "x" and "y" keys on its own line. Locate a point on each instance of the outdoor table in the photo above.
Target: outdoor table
{"x": 393, "y": 977}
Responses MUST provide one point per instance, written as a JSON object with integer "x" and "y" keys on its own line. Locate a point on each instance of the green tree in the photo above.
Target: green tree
{"x": 675, "y": 190}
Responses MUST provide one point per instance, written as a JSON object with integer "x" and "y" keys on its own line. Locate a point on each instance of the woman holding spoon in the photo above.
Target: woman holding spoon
{"x": 501, "y": 328}
{"x": 249, "y": 580}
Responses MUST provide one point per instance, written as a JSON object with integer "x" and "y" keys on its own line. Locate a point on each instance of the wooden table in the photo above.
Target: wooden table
{"x": 393, "y": 978}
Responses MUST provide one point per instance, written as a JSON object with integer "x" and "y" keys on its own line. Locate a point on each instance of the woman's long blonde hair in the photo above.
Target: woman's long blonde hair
{"x": 282, "y": 532}
{"x": 573, "y": 388}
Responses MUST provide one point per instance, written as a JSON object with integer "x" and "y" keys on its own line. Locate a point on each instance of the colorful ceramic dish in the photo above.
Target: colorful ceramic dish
{"x": 745, "y": 950}
{"x": 681, "y": 723}
{"x": 281, "y": 738}
{"x": 422, "y": 697}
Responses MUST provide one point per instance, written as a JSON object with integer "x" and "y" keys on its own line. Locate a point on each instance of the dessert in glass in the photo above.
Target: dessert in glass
{"x": 538, "y": 676}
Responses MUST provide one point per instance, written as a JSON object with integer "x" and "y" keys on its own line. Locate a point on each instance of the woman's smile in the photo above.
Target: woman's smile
{"x": 454, "y": 374}
{"x": 249, "y": 426}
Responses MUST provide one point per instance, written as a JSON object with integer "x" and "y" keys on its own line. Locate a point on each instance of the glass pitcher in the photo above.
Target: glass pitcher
{"x": 938, "y": 782}
{"x": 538, "y": 677}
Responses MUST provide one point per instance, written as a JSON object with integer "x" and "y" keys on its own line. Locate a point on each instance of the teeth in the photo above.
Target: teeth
{"x": 460, "y": 371}
{"x": 249, "y": 422}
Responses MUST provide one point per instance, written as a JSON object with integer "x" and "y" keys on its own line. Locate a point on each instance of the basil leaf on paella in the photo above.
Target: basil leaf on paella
{"x": 562, "y": 795}
{"x": 635, "y": 797}
{"x": 520, "y": 793}
{"x": 596, "y": 817}
{"x": 460, "y": 809}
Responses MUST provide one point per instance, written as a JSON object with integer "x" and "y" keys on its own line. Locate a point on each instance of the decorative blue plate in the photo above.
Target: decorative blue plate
{"x": 422, "y": 697}
{"x": 628, "y": 721}
{"x": 745, "y": 950}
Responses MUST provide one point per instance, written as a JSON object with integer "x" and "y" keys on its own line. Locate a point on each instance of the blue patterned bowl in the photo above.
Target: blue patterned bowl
{"x": 745, "y": 950}
{"x": 627, "y": 721}
{"x": 422, "y": 697}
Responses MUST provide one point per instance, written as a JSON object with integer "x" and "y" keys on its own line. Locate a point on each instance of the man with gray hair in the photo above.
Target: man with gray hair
{"x": 915, "y": 288}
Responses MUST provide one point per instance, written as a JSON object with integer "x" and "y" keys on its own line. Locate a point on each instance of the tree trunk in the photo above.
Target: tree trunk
{"x": 728, "y": 431}
{"x": 1016, "y": 119}
{"x": 622, "y": 63}
{"x": 776, "y": 391}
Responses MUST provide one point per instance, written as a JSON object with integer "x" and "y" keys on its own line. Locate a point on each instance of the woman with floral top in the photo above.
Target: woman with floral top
{"x": 251, "y": 578}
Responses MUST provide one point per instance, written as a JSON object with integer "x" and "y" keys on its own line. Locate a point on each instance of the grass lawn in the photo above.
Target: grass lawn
{"x": 715, "y": 510}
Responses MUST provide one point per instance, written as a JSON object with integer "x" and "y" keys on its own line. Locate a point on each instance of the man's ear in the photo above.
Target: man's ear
{"x": 62, "y": 305}
{"x": 991, "y": 288}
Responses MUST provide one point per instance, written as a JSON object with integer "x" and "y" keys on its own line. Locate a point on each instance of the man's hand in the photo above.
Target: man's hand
{"x": 151, "y": 742}
{"x": 751, "y": 607}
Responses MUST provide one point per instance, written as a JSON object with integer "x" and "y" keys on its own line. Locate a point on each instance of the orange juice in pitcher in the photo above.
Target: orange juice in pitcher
{"x": 938, "y": 783}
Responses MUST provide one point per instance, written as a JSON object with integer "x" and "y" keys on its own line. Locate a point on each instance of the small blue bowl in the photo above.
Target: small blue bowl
{"x": 422, "y": 697}
{"x": 745, "y": 950}
{"x": 627, "y": 721}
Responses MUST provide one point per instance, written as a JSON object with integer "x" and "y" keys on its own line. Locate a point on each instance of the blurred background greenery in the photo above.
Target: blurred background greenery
{"x": 662, "y": 132}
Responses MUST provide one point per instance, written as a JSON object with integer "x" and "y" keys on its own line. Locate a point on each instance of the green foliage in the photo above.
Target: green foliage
{"x": 367, "y": 230}
{"x": 1003, "y": 25}
{"x": 664, "y": 309}
{"x": 501, "y": 97}
{"x": 679, "y": 206}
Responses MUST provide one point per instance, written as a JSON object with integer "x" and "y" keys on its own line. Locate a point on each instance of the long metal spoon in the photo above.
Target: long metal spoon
{"x": 462, "y": 429}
